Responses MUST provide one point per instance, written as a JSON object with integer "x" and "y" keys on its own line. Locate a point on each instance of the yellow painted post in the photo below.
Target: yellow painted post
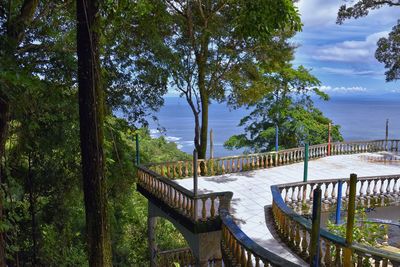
{"x": 351, "y": 209}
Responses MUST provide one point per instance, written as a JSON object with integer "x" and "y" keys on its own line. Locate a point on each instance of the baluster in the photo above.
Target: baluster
{"x": 249, "y": 261}
{"x": 347, "y": 190}
{"x": 233, "y": 165}
{"x": 297, "y": 238}
{"x": 388, "y": 187}
{"x": 304, "y": 245}
{"x": 311, "y": 192}
{"x": 243, "y": 256}
{"x": 375, "y": 190}
{"x": 327, "y": 257}
{"x": 286, "y": 195}
{"x": 204, "y": 210}
{"x": 212, "y": 210}
{"x": 368, "y": 190}
{"x": 223, "y": 166}
{"x": 199, "y": 167}
{"x": 338, "y": 256}
{"x": 292, "y": 197}
{"x": 299, "y": 196}
{"x": 257, "y": 261}
{"x": 333, "y": 192}
{"x": 395, "y": 189}
{"x": 382, "y": 186}
{"x": 326, "y": 194}
{"x": 186, "y": 169}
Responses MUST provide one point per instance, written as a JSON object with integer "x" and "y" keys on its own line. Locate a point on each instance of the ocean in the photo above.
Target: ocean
{"x": 361, "y": 117}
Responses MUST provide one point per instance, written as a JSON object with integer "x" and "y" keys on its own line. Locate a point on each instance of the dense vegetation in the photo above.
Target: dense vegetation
{"x": 67, "y": 163}
{"x": 44, "y": 208}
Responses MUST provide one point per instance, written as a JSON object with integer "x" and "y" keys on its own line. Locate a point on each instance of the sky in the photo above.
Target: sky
{"x": 342, "y": 56}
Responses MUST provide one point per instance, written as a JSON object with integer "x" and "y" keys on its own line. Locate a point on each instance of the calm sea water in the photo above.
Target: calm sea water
{"x": 361, "y": 117}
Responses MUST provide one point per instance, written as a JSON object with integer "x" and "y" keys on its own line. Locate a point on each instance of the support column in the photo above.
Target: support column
{"x": 151, "y": 229}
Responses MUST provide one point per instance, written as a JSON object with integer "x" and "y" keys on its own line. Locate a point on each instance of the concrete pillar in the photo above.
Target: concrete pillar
{"x": 151, "y": 229}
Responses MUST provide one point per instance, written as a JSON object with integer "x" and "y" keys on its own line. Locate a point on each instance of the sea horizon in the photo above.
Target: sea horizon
{"x": 361, "y": 117}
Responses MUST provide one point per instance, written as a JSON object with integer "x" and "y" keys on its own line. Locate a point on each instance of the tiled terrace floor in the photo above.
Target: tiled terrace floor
{"x": 251, "y": 190}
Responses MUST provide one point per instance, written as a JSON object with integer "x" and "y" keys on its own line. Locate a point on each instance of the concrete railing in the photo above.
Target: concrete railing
{"x": 247, "y": 162}
{"x": 239, "y": 250}
{"x": 290, "y": 201}
{"x": 156, "y": 179}
{"x": 200, "y": 208}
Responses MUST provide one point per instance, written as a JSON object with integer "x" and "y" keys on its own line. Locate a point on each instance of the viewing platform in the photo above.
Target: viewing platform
{"x": 260, "y": 225}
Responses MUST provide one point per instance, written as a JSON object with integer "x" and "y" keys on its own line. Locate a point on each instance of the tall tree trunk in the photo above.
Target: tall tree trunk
{"x": 91, "y": 108}
{"x": 204, "y": 126}
{"x": 32, "y": 210}
{"x": 4, "y": 117}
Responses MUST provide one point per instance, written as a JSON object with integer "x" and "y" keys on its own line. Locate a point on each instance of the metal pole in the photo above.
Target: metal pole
{"x": 305, "y": 163}
{"x": 137, "y": 150}
{"x": 315, "y": 229}
{"x": 211, "y": 144}
{"x": 195, "y": 167}
{"x": 329, "y": 139}
{"x": 195, "y": 182}
{"x": 350, "y": 219}
{"x": 387, "y": 133}
{"x": 276, "y": 138}
{"x": 339, "y": 201}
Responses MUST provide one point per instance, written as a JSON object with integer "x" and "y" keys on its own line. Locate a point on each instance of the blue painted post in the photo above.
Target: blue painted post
{"x": 315, "y": 229}
{"x": 339, "y": 201}
{"x": 276, "y": 138}
{"x": 137, "y": 150}
{"x": 305, "y": 175}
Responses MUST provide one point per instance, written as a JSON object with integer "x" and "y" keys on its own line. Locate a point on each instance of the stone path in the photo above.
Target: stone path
{"x": 251, "y": 191}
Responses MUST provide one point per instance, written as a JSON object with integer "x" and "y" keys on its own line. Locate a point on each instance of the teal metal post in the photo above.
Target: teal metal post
{"x": 305, "y": 163}
{"x": 137, "y": 150}
{"x": 315, "y": 230}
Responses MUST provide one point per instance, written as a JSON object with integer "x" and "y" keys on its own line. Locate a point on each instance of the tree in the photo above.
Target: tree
{"x": 288, "y": 107}
{"x": 388, "y": 53}
{"x": 12, "y": 33}
{"x": 91, "y": 117}
{"x": 212, "y": 48}
{"x": 388, "y": 48}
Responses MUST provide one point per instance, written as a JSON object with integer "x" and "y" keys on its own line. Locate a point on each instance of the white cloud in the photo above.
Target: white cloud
{"x": 350, "y": 51}
{"x": 351, "y": 72}
{"x": 318, "y": 12}
{"x": 342, "y": 89}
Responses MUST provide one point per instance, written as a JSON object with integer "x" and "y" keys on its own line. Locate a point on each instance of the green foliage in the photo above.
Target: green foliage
{"x": 287, "y": 104}
{"x": 388, "y": 53}
{"x": 364, "y": 232}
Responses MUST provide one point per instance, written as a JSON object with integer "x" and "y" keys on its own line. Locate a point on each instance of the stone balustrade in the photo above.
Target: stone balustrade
{"x": 290, "y": 201}
{"x": 247, "y": 162}
{"x": 239, "y": 250}
{"x": 203, "y": 207}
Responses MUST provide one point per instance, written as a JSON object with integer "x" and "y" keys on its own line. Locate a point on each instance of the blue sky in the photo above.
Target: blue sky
{"x": 342, "y": 56}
